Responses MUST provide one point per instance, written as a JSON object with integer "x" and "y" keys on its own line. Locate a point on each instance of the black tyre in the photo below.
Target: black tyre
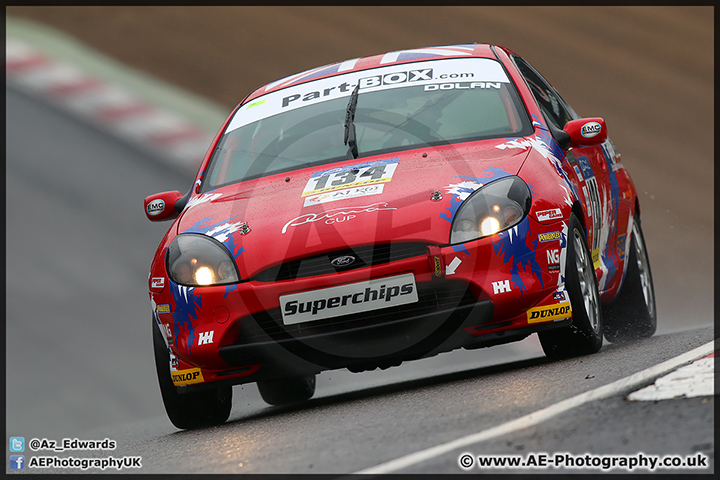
{"x": 585, "y": 335}
{"x": 188, "y": 410}
{"x": 287, "y": 390}
{"x": 633, "y": 315}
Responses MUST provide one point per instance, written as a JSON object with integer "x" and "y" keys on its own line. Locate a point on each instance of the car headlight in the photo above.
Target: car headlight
{"x": 490, "y": 209}
{"x": 198, "y": 260}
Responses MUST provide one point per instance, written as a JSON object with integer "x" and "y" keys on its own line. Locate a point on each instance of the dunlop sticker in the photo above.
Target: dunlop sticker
{"x": 549, "y": 313}
{"x": 187, "y": 377}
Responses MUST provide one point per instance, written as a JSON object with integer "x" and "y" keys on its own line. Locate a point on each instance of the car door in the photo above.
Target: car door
{"x": 593, "y": 167}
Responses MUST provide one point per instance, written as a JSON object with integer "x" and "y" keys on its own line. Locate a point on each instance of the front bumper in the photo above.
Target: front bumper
{"x": 470, "y": 296}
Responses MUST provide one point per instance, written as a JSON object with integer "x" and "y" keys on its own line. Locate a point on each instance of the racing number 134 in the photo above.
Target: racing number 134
{"x": 351, "y": 176}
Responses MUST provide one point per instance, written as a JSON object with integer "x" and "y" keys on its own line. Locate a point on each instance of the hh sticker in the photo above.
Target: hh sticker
{"x": 348, "y": 299}
{"x": 340, "y": 178}
{"x": 348, "y": 193}
{"x": 187, "y": 377}
{"x": 549, "y": 313}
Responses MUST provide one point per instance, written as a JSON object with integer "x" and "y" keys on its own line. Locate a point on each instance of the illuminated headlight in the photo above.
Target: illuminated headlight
{"x": 492, "y": 208}
{"x": 196, "y": 260}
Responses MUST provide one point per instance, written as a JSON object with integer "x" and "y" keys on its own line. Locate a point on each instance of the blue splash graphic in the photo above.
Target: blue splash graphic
{"x": 513, "y": 246}
{"x": 204, "y": 226}
{"x": 494, "y": 173}
{"x": 455, "y": 202}
{"x": 532, "y": 190}
{"x": 229, "y": 289}
{"x": 460, "y": 248}
{"x": 543, "y": 134}
{"x": 198, "y": 182}
{"x": 234, "y": 286}
{"x": 200, "y": 226}
{"x": 235, "y": 249}
{"x": 186, "y": 307}
{"x": 609, "y": 256}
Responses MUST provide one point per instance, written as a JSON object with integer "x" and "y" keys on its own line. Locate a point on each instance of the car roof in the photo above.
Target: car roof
{"x": 480, "y": 50}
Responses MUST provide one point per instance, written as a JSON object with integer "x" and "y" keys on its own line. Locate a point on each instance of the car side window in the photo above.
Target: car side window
{"x": 552, "y": 105}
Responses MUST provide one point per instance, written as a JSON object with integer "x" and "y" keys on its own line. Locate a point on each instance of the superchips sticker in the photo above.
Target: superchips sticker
{"x": 352, "y": 176}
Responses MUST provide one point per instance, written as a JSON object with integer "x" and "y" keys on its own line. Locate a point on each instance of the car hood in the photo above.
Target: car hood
{"x": 409, "y": 196}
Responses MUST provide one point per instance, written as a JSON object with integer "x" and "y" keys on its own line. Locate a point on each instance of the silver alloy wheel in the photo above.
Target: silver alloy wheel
{"x": 644, "y": 270}
{"x": 586, "y": 277}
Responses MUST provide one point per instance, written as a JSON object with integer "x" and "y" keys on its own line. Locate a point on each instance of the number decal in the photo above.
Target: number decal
{"x": 344, "y": 178}
{"x": 351, "y": 176}
{"x": 592, "y": 198}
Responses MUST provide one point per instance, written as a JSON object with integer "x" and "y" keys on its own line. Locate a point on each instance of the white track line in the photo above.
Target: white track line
{"x": 694, "y": 380}
{"x": 542, "y": 415}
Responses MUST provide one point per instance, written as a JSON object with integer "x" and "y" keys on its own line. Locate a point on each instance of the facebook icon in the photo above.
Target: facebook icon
{"x": 17, "y": 462}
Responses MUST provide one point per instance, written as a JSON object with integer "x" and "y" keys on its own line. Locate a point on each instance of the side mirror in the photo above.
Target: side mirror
{"x": 164, "y": 206}
{"x": 586, "y": 131}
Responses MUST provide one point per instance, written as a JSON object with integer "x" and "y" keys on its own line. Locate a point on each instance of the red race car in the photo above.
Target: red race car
{"x": 391, "y": 208}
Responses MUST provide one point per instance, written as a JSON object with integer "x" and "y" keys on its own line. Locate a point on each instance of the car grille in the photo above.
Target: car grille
{"x": 432, "y": 297}
{"x": 320, "y": 264}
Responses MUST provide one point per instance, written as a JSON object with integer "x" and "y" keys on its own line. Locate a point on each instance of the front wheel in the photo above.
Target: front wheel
{"x": 585, "y": 335}
{"x": 632, "y": 315}
{"x": 188, "y": 410}
{"x": 287, "y": 390}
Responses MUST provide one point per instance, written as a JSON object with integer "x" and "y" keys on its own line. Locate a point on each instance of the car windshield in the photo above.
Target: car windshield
{"x": 298, "y": 127}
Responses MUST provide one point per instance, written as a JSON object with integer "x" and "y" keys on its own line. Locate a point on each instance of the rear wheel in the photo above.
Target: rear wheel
{"x": 188, "y": 410}
{"x": 632, "y": 315}
{"x": 287, "y": 390}
{"x": 585, "y": 334}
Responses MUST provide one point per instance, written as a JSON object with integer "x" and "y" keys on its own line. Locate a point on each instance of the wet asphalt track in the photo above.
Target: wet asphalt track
{"x": 80, "y": 364}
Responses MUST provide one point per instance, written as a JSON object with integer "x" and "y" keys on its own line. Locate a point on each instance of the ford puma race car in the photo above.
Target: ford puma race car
{"x": 391, "y": 208}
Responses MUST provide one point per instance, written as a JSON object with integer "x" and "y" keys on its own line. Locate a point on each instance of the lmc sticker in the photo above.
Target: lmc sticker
{"x": 156, "y": 207}
{"x": 590, "y": 129}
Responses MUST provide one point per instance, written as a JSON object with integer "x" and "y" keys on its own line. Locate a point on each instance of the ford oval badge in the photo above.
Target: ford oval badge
{"x": 343, "y": 261}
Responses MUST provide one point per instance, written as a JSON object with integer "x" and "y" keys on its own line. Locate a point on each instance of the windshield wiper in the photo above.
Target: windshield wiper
{"x": 350, "y": 125}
